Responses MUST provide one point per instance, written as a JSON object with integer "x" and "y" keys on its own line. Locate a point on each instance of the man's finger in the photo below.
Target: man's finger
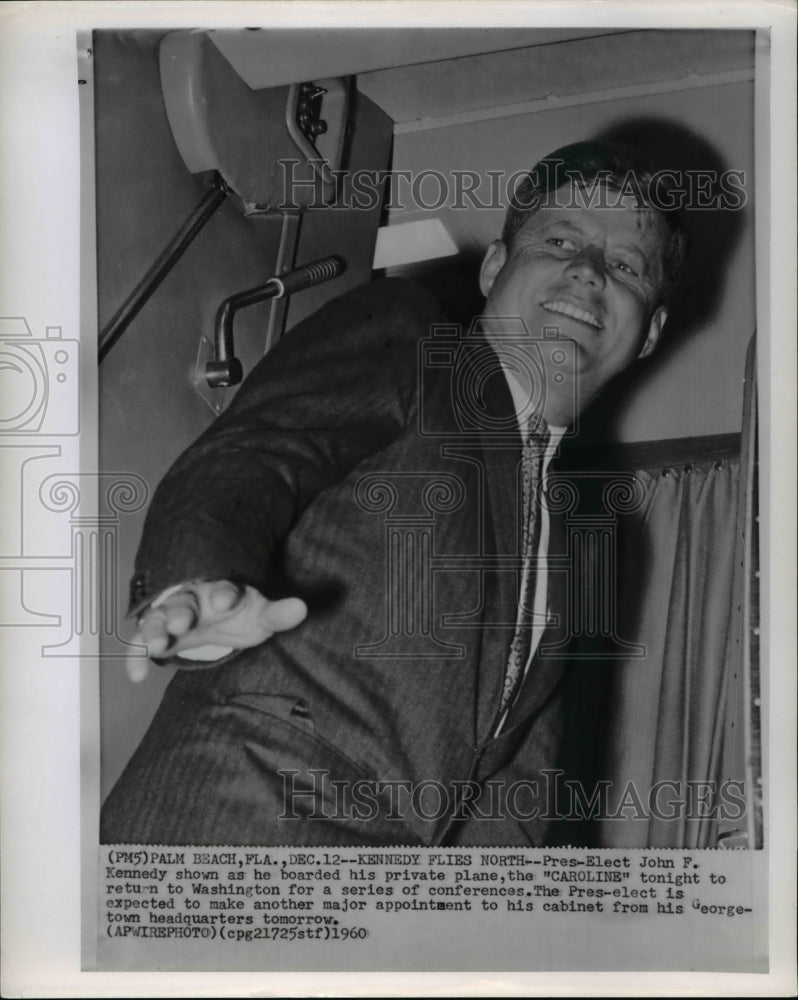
{"x": 136, "y": 663}
{"x": 224, "y": 596}
{"x": 180, "y": 619}
{"x": 165, "y": 624}
{"x": 154, "y": 634}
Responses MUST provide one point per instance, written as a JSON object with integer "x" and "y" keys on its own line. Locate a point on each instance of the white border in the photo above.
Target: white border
{"x": 39, "y": 243}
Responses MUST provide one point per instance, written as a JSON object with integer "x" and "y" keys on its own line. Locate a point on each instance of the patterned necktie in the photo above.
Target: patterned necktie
{"x": 537, "y": 440}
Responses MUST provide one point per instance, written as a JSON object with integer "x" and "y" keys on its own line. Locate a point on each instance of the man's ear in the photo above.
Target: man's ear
{"x": 492, "y": 263}
{"x": 654, "y": 331}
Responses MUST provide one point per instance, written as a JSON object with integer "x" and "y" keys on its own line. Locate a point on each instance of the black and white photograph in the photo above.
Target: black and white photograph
{"x": 415, "y": 535}
{"x": 442, "y": 408}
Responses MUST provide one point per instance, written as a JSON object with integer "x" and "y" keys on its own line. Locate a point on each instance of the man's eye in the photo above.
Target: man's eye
{"x": 626, "y": 267}
{"x": 561, "y": 243}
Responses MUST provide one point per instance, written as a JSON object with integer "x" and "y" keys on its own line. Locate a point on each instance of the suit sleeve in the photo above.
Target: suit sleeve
{"x": 337, "y": 388}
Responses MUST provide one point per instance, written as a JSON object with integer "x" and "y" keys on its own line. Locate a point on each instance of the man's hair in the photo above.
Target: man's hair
{"x": 621, "y": 169}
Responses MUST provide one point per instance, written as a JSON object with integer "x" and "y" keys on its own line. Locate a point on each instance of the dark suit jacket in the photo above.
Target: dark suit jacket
{"x": 370, "y": 465}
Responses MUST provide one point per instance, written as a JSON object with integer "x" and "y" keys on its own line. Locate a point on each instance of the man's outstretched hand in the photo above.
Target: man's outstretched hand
{"x": 211, "y": 614}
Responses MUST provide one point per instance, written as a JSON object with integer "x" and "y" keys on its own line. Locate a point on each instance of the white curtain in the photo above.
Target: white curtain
{"x": 682, "y": 713}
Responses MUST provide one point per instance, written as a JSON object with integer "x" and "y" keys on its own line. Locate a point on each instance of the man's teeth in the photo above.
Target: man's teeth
{"x": 574, "y": 311}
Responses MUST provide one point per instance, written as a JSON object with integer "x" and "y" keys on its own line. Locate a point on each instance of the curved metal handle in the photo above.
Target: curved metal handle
{"x": 309, "y": 275}
{"x": 225, "y": 369}
{"x": 221, "y": 374}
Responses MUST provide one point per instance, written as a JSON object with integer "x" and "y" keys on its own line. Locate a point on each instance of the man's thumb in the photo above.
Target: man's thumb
{"x": 286, "y": 614}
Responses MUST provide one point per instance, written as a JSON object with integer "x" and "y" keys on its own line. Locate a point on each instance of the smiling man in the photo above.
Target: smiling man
{"x": 594, "y": 273}
{"x": 350, "y": 565}
{"x": 586, "y": 251}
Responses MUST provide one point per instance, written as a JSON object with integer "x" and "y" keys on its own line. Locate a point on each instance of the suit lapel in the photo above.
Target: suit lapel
{"x": 495, "y": 430}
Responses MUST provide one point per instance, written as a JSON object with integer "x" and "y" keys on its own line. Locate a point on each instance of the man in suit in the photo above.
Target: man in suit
{"x": 350, "y": 564}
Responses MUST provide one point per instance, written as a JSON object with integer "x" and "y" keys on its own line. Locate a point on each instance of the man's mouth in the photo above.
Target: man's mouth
{"x": 575, "y": 312}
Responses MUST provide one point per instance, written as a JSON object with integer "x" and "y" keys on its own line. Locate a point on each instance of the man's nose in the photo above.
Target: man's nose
{"x": 588, "y": 266}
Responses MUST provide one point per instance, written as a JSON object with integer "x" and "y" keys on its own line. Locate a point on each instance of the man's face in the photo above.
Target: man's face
{"x": 588, "y": 276}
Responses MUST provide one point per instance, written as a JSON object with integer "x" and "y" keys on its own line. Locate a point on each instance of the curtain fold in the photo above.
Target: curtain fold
{"x": 666, "y": 736}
